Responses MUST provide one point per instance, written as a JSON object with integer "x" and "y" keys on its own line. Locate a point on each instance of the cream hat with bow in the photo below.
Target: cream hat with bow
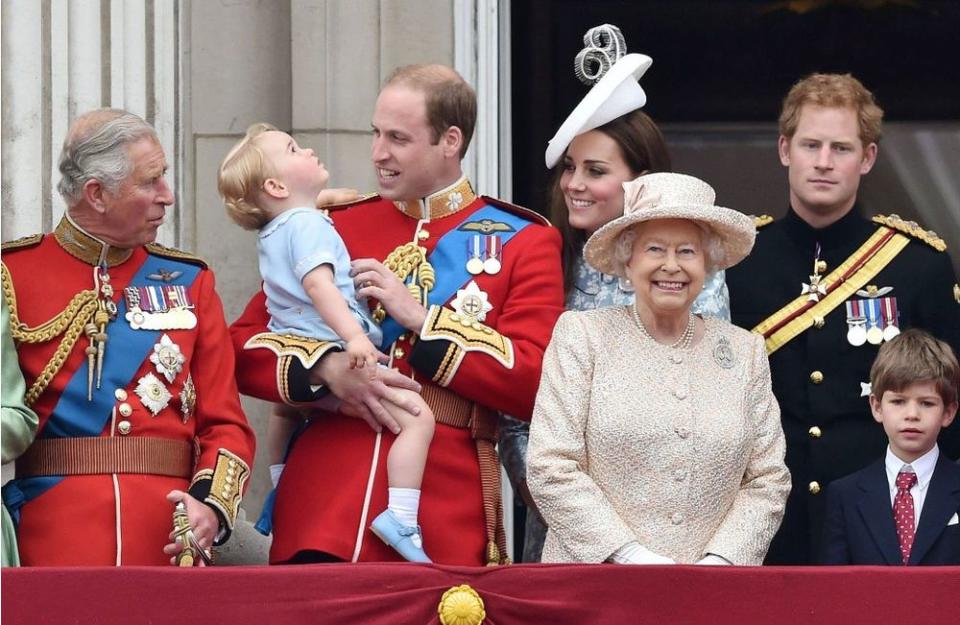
{"x": 672, "y": 196}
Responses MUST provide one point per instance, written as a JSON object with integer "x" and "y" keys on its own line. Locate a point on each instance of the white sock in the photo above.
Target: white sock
{"x": 404, "y": 503}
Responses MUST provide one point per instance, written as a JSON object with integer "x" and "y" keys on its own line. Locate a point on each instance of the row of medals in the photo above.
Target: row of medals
{"x": 858, "y": 331}
{"x": 483, "y": 255}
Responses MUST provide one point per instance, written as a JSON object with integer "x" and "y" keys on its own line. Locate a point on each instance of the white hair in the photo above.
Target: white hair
{"x": 100, "y": 151}
{"x": 710, "y": 241}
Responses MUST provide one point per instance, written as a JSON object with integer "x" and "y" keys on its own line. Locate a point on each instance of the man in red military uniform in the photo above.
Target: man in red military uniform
{"x": 121, "y": 342}
{"x": 468, "y": 291}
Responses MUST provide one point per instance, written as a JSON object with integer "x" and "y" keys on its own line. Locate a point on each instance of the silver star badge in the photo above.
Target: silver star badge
{"x": 471, "y": 304}
{"x": 153, "y": 394}
{"x": 865, "y": 389}
{"x": 167, "y": 358}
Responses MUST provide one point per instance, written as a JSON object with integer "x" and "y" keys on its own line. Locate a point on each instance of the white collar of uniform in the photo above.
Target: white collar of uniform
{"x": 922, "y": 466}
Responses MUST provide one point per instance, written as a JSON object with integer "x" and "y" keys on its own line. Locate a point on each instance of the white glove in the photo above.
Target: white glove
{"x": 635, "y": 553}
{"x": 275, "y": 471}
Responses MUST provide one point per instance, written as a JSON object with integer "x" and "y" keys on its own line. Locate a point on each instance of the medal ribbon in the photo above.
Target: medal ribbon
{"x": 447, "y": 259}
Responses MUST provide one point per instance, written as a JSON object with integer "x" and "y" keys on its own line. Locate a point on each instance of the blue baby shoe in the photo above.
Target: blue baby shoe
{"x": 406, "y": 540}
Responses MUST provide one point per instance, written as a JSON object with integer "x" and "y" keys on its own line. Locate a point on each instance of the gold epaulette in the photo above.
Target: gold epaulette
{"x": 363, "y": 197}
{"x": 526, "y": 213}
{"x": 169, "y": 252}
{"x": 761, "y": 221}
{"x": 30, "y": 240}
{"x": 912, "y": 228}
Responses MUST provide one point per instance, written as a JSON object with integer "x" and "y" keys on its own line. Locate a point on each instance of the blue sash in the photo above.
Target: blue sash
{"x": 449, "y": 260}
{"x": 74, "y": 415}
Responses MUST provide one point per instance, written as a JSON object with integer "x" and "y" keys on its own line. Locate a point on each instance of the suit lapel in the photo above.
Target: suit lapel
{"x": 877, "y": 513}
{"x": 941, "y": 502}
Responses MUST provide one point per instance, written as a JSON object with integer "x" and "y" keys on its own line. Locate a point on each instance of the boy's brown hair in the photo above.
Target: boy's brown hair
{"x": 916, "y": 356}
{"x": 450, "y": 100}
{"x": 833, "y": 91}
{"x": 241, "y": 177}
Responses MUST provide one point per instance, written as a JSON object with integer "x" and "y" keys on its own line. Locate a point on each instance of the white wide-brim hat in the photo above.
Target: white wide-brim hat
{"x": 616, "y": 94}
{"x": 672, "y": 196}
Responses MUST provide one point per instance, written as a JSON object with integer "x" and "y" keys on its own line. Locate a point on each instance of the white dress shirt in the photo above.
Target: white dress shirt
{"x": 923, "y": 467}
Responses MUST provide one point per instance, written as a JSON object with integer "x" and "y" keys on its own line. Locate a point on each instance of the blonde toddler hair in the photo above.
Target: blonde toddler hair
{"x": 241, "y": 177}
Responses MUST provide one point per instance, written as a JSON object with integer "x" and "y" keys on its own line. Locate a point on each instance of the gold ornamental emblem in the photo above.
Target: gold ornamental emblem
{"x": 461, "y": 605}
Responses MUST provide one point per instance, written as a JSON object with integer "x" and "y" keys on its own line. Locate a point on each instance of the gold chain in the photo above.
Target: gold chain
{"x": 69, "y": 322}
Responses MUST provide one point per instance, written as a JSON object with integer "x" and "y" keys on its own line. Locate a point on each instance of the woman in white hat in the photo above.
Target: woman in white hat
{"x": 656, "y": 437}
{"x": 606, "y": 141}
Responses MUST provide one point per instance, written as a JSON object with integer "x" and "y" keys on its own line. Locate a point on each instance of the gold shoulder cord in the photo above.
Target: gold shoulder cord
{"x": 70, "y": 322}
{"x": 408, "y": 259}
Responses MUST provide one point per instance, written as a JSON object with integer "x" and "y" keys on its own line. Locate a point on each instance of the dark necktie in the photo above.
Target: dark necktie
{"x": 903, "y": 512}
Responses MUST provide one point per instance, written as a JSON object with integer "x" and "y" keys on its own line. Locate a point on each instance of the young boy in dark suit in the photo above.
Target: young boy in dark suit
{"x": 903, "y": 508}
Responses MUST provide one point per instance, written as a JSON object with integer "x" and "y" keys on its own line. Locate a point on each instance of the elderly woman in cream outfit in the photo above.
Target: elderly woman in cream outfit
{"x": 656, "y": 437}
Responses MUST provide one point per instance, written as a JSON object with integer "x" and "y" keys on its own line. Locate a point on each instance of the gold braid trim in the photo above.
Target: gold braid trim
{"x": 405, "y": 260}
{"x": 70, "y": 323}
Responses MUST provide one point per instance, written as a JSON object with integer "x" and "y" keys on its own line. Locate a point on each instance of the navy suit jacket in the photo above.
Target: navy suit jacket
{"x": 859, "y": 527}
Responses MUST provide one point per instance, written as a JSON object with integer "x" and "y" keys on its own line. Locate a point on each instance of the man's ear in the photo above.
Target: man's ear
{"x": 93, "y": 193}
{"x": 783, "y": 148}
{"x": 452, "y": 141}
{"x": 869, "y": 158}
{"x": 275, "y": 189}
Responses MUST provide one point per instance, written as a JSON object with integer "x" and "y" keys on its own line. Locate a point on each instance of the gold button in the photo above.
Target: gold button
{"x": 124, "y": 427}
{"x": 821, "y": 266}
{"x": 818, "y": 322}
{"x": 402, "y": 337}
{"x": 814, "y": 432}
{"x": 423, "y": 235}
{"x": 120, "y": 394}
{"x": 816, "y": 377}
{"x": 814, "y": 488}
{"x": 125, "y": 410}
{"x": 399, "y": 353}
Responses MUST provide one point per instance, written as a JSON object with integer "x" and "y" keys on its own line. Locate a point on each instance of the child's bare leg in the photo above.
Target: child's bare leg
{"x": 408, "y": 454}
{"x": 281, "y": 425}
{"x": 407, "y": 458}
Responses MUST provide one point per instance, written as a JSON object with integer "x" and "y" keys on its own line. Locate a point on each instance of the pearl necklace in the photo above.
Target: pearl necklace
{"x": 681, "y": 343}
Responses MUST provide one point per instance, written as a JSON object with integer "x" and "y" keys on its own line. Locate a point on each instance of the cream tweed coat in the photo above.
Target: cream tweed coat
{"x": 681, "y": 451}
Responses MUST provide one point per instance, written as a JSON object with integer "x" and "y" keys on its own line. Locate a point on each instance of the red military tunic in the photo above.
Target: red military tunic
{"x": 335, "y": 479}
{"x": 124, "y": 518}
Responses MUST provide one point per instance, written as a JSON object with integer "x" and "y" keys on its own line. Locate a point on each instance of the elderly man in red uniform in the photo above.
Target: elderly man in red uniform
{"x": 121, "y": 342}
{"x": 467, "y": 290}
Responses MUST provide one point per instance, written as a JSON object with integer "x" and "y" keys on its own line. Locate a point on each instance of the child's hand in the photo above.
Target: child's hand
{"x": 363, "y": 354}
{"x": 335, "y": 196}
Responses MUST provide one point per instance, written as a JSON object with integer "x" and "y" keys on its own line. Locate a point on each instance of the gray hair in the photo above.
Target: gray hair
{"x": 96, "y": 148}
{"x": 710, "y": 241}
